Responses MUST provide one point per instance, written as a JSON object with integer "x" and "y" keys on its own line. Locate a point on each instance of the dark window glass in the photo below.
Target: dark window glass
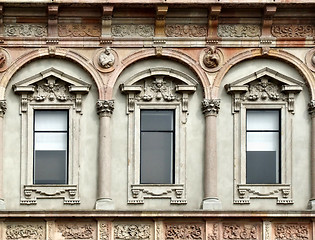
{"x": 50, "y": 147}
{"x": 157, "y": 146}
{"x": 263, "y": 147}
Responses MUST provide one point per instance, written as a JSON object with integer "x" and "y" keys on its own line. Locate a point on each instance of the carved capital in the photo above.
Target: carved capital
{"x": 211, "y": 106}
{"x": 311, "y": 108}
{"x": 3, "y": 107}
{"x": 105, "y": 108}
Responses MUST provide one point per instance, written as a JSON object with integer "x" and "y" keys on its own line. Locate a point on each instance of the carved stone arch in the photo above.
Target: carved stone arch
{"x": 48, "y": 53}
{"x": 171, "y": 54}
{"x": 271, "y": 53}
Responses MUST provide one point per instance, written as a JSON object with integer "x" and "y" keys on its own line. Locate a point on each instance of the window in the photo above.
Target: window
{"x": 157, "y": 107}
{"x": 50, "y": 118}
{"x": 263, "y": 147}
{"x": 263, "y": 109}
{"x": 157, "y": 146}
{"x": 50, "y": 147}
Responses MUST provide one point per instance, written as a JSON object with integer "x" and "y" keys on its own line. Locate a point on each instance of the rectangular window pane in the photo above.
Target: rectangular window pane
{"x": 263, "y": 147}
{"x": 50, "y": 147}
{"x": 157, "y": 120}
{"x": 51, "y": 120}
{"x": 157, "y": 147}
{"x": 262, "y": 120}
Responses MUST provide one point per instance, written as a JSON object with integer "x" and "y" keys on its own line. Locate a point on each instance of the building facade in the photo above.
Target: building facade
{"x": 157, "y": 119}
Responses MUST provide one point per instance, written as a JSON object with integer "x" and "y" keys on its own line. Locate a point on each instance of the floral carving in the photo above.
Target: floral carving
{"x": 292, "y": 31}
{"x": 106, "y": 58}
{"x": 211, "y": 106}
{"x": 133, "y": 30}
{"x": 76, "y": 231}
{"x": 25, "y": 30}
{"x": 239, "y": 30}
{"x": 215, "y": 232}
{"x": 21, "y": 231}
{"x": 291, "y": 232}
{"x": 183, "y": 231}
{"x": 236, "y": 231}
{"x": 211, "y": 59}
{"x": 104, "y": 231}
{"x": 79, "y": 30}
{"x": 190, "y": 30}
{"x": 132, "y": 232}
{"x": 105, "y": 107}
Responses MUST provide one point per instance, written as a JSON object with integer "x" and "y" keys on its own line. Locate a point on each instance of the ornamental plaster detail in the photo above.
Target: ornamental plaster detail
{"x": 214, "y": 234}
{"x": 240, "y": 231}
{"x": 25, "y": 30}
{"x": 296, "y": 231}
{"x": 25, "y": 231}
{"x": 106, "y": 58}
{"x": 132, "y": 231}
{"x": 105, "y": 107}
{"x": 76, "y": 230}
{"x": 183, "y": 30}
{"x": 211, "y": 106}
{"x": 292, "y": 31}
{"x": 132, "y": 30}
{"x": 104, "y": 231}
{"x": 311, "y": 107}
{"x": 79, "y": 30}
{"x": 239, "y": 30}
{"x": 211, "y": 59}
{"x": 3, "y": 107}
{"x": 184, "y": 231}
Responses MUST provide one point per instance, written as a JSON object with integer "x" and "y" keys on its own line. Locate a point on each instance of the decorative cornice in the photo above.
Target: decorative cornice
{"x": 211, "y": 106}
{"x": 105, "y": 108}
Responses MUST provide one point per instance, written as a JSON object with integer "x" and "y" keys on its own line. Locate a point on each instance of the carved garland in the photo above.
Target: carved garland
{"x": 76, "y": 231}
{"x": 292, "y": 231}
{"x": 132, "y": 232}
{"x": 184, "y": 231}
{"x": 21, "y": 231}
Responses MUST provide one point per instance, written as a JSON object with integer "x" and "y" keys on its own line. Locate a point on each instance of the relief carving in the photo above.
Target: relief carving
{"x": 184, "y": 231}
{"x": 311, "y": 107}
{"x": 105, "y": 107}
{"x": 292, "y": 232}
{"x": 3, "y": 107}
{"x": 2, "y": 59}
{"x": 21, "y": 231}
{"x": 79, "y": 30}
{"x": 25, "y": 30}
{"x": 211, "y": 106}
{"x": 214, "y": 235}
{"x": 190, "y": 30}
{"x": 76, "y": 231}
{"x": 237, "y": 231}
{"x": 212, "y": 58}
{"x": 239, "y": 30}
{"x": 104, "y": 231}
{"x": 132, "y": 30}
{"x": 292, "y": 31}
{"x": 106, "y": 58}
{"x": 132, "y": 232}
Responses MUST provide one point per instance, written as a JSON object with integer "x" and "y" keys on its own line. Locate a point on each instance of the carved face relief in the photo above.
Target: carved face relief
{"x": 211, "y": 59}
{"x": 106, "y": 58}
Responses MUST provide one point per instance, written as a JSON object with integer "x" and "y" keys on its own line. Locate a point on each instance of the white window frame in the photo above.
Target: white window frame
{"x": 134, "y": 88}
{"x": 32, "y": 100}
{"x": 287, "y": 88}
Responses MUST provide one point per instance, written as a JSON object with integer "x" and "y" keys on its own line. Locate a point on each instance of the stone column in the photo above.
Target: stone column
{"x": 311, "y": 109}
{"x": 210, "y": 108}
{"x": 3, "y": 108}
{"x": 104, "y": 109}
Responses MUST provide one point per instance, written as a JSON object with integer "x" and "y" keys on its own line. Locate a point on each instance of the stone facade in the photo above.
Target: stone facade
{"x": 207, "y": 62}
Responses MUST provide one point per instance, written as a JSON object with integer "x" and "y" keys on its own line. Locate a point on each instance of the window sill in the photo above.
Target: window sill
{"x": 280, "y": 192}
{"x": 174, "y": 192}
{"x": 31, "y": 193}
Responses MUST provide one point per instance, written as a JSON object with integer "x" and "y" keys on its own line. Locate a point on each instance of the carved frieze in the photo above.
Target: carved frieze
{"x": 292, "y": 31}
{"x": 77, "y": 230}
{"x": 239, "y": 30}
{"x": 25, "y": 30}
{"x": 25, "y": 231}
{"x": 189, "y": 30}
{"x": 132, "y": 30}
{"x": 240, "y": 231}
{"x": 211, "y": 106}
{"x": 104, "y": 231}
{"x": 105, "y": 107}
{"x": 214, "y": 233}
{"x": 184, "y": 231}
{"x": 288, "y": 231}
{"x": 132, "y": 231}
{"x": 79, "y": 30}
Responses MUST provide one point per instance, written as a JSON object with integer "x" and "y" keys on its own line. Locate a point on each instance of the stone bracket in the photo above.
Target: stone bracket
{"x": 69, "y": 193}
{"x": 175, "y": 192}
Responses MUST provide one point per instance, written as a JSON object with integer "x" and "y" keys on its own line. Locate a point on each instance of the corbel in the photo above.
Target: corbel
{"x": 53, "y": 20}
{"x": 107, "y": 14}
{"x": 161, "y": 12}
{"x": 213, "y": 21}
{"x": 269, "y": 12}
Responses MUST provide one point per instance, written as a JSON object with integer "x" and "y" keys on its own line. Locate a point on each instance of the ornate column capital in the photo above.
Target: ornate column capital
{"x": 311, "y": 108}
{"x": 105, "y": 108}
{"x": 3, "y": 107}
{"x": 210, "y": 107}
